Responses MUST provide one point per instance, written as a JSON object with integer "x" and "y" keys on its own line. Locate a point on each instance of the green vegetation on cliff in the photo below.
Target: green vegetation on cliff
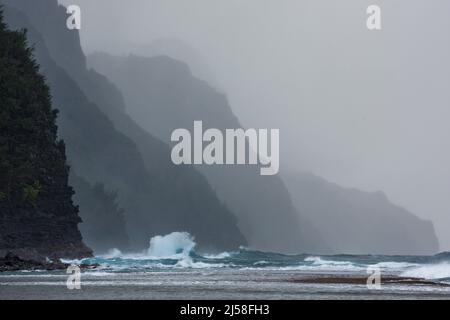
{"x": 37, "y": 216}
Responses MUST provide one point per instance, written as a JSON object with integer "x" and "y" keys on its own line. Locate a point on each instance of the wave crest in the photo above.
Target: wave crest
{"x": 430, "y": 272}
{"x": 172, "y": 246}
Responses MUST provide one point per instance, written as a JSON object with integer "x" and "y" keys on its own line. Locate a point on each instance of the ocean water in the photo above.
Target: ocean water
{"x": 171, "y": 268}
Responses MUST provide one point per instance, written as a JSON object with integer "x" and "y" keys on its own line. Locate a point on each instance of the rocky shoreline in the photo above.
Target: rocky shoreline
{"x": 11, "y": 263}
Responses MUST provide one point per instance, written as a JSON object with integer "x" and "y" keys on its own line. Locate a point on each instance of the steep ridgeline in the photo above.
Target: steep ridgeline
{"x": 37, "y": 216}
{"x": 162, "y": 95}
{"x": 79, "y": 121}
{"x": 106, "y": 146}
{"x": 184, "y": 195}
{"x": 357, "y": 222}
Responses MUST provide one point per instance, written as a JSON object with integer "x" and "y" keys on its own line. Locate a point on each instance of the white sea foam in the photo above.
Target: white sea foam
{"x": 322, "y": 264}
{"x": 175, "y": 251}
{"x": 187, "y": 262}
{"x": 172, "y": 246}
{"x": 430, "y": 271}
{"x": 391, "y": 266}
{"x": 320, "y": 261}
{"x": 176, "y": 245}
{"x": 112, "y": 254}
{"x": 223, "y": 255}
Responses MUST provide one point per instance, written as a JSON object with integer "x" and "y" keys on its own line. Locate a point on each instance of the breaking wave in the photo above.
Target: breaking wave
{"x": 172, "y": 246}
{"x": 439, "y": 271}
{"x": 178, "y": 251}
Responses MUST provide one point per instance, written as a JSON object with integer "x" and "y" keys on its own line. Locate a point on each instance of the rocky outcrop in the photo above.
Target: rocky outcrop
{"x": 47, "y": 228}
{"x": 37, "y": 216}
{"x": 11, "y": 262}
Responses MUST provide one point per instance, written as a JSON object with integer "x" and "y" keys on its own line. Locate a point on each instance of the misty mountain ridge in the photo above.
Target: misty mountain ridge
{"x": 157, "y": 198}
{"x": 358, "y": 222}
{"x": 162, "y": 95}
{"x": 165, "y": 95}
{"x": 119, "y": 140}
{"x": 181, "y": 51}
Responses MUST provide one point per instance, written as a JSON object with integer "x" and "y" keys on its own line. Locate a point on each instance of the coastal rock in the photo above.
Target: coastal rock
{"x": 11, "y": 262}
{"x": 38, "y": 219}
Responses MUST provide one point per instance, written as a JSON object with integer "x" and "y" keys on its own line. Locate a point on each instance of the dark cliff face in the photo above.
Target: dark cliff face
{"x": 37, "y": 216}
{"x": 162, "y": 95}
{"x": 358, "y": 222}
{"x": 106, "y": 146}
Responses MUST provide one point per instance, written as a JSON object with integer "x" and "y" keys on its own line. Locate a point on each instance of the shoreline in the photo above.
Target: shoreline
{"x": 13, "y": 263}
{"x": 239, "y": 285}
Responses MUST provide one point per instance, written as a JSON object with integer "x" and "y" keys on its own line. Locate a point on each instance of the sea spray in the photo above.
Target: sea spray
{"x": 176, "y": 251}
{"x": 429, "y": 271}
{"x": 112, "y": 254}
{"x": 172, "y": 246}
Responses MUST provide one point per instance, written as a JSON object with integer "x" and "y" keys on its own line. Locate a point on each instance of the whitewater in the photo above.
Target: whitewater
{"x": 171, "y": 268}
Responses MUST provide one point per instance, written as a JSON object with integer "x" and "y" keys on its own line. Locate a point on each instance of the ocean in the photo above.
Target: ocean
{"x": 172, "y": 269}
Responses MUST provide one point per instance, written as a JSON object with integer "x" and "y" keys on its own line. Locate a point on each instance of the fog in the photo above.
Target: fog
{"x": 364, "y": 109}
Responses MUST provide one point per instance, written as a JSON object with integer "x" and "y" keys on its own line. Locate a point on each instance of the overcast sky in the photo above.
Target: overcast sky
{"x": 365, "y": 109}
